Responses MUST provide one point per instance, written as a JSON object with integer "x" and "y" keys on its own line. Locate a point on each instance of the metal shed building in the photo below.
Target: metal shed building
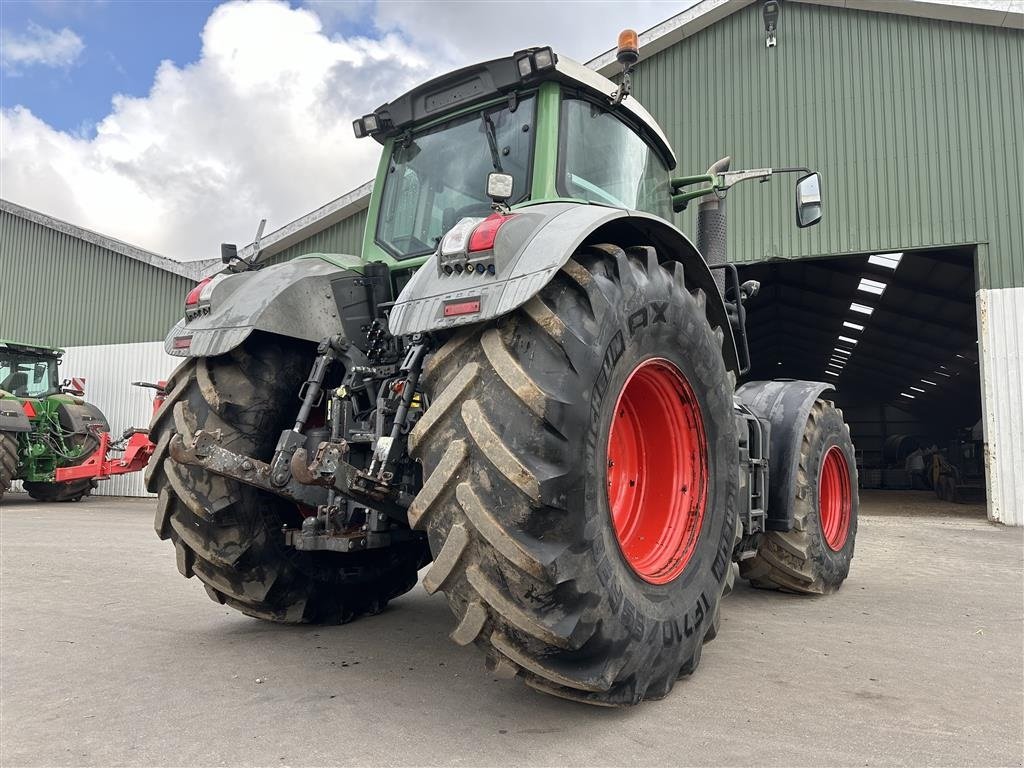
{"x": 912, "y": 112}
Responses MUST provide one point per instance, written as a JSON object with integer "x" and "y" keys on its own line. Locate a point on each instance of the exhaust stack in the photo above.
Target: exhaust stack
{"x": 712, "y": 237}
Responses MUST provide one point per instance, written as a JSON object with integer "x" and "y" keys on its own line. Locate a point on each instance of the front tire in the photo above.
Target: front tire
{"x": 229, "y": 534}
{"x": 814, "y": 558}
{"x": 529, "y": 539}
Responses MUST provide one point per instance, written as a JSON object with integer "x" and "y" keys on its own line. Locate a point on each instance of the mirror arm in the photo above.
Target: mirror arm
{"x": 793, "y": 169}
{"x": 680, "y": 199}
{"x": 720, "y": 183}
{"x": 688, "y": 181}
{"x": 732, "y": 178}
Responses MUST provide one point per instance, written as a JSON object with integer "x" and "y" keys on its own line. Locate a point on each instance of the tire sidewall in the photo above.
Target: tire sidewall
{"x": 9, "y": 446}
{"x": 829, "y": 432}
{"x": 657, "y": 320}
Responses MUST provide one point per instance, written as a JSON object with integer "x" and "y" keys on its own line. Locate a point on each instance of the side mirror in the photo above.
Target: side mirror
{"x": 808, "y": 200}
{"x": 499, "y": 186}
{"x": 228, "y": 252}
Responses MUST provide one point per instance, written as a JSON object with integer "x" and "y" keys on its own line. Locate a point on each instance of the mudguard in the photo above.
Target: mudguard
{"x": 12, "y": 417}
{"x": 295, "y": 299}
{"x": 81, "y": 418}
{"x": 528, "y": 250}
{"x": 786, "y": 404}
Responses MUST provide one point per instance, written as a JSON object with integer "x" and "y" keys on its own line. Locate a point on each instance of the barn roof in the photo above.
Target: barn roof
{"x": 189, "y": 269}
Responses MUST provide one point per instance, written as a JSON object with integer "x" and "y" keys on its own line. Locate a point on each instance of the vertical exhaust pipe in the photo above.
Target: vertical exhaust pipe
{"x": 712, "y": 238}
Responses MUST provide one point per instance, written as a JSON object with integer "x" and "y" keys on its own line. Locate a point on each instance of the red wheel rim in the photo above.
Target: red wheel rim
{"x": 834, "y": 498}
{"x": 657, "y": 471}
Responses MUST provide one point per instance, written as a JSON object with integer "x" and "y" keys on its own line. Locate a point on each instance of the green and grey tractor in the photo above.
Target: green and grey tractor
{"x": 50, "y": 438}
{"x": 44, "y": 424}
{"x": 529, "y": 380}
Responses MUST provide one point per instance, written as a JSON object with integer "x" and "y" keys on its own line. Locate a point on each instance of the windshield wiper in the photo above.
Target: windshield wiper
{"x": 492, "y": 141}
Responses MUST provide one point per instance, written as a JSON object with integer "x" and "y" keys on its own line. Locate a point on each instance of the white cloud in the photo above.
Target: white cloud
{"x": 260, "y": 125}
{"x": 39, "y": 46}
{"x": 465, "y": 32}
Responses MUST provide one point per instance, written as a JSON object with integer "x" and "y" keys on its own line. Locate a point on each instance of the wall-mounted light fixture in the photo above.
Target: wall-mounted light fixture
{"x": 770, "y": 11}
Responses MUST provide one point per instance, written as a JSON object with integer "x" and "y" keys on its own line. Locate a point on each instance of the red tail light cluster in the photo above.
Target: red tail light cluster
{"x": 193, "y": 296}
{"x": 486, "y": 231}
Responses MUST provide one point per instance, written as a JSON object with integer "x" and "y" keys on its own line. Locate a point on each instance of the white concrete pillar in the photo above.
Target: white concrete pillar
{"x": 1000, "y": 339}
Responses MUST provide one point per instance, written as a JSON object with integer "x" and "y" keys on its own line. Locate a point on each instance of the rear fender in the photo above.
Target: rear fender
{"x": 786, "y": 405}
{"x": 81, "y": 418}
{"x": 299, "y": 299}
{"x": 12, "y": 417}
{"x": 528, "y": 250}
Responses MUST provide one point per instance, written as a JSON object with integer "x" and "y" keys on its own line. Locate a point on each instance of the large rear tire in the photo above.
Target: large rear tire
{"x": 229, "y": 534}
{"x": 73, "y": 490}
{"x": 551, "y": 440}
{"x": 814, "y": 557}
{"x": 8, "y": 460}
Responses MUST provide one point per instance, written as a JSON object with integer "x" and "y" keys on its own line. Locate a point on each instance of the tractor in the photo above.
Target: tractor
{"x": 44, "y": 424}
{"x": 50, "y": 438}
{"x": 528, "y": 380}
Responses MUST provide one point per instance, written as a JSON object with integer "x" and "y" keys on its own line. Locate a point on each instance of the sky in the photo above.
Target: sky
{"x": 176, "y": 125}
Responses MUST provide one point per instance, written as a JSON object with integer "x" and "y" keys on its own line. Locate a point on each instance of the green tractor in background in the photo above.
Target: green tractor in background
{"x": 45, "y": 425}
{"x": 530, "y": 378}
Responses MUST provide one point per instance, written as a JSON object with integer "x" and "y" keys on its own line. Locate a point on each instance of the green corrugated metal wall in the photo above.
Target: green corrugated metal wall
{"x": 56, "y": 289}
{"x": 915, "y": 125}
{"x": 346, "y": 236}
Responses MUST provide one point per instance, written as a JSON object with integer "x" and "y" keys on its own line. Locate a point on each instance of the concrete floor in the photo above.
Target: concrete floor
{"x": 110, "y": 658}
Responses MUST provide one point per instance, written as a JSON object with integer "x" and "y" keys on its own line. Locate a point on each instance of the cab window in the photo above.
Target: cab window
{"x": 27, "y": 377}
{"x": 439, "y": 176}
{"x": 602, "y": 160}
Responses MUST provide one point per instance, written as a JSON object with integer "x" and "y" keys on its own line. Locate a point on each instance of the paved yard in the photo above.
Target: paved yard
{"x": 110, "y": 658}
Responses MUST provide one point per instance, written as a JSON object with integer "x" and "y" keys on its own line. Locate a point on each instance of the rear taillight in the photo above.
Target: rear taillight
{"x": 483, "y": 236}
{"x": 193, "y": 296}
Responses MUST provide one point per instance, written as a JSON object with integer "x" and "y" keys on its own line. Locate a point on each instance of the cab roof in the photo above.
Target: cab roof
{"x": 29, "y": 349}
{"x": 483, "y": 82}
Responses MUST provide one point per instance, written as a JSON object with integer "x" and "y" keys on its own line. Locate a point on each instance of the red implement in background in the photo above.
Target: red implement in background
{"x": 137, "y": 450}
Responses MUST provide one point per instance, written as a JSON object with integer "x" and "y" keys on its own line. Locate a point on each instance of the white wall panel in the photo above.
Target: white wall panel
{"x": 109, "y": 371}
{"x": 1000, "y": 337}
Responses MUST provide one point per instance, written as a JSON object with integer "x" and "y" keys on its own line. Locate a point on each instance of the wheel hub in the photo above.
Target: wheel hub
{"x": 834, "y": 498}
{"x": 657, "y": 473}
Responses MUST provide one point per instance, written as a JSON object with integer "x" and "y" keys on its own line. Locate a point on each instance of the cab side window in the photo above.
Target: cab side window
{"x": 602, "y": 160}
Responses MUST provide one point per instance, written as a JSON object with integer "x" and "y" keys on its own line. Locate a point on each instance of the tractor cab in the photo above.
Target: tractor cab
{"x": 28, "y": 371}
{"x": 525, "y": 130}
{"x": 534, "y": 127}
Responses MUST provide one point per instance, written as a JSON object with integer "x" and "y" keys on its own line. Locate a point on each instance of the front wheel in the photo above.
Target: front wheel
{"x": 580, "y": 479}
{"x": 814, "y": 557}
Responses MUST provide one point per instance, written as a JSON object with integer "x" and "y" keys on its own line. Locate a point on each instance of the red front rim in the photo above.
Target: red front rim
{"x": 657, "y": 471}
{"x": 834, "y": 498}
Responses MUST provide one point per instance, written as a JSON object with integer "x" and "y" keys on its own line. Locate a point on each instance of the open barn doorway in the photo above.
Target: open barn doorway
{"x": 897, "y": 335}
